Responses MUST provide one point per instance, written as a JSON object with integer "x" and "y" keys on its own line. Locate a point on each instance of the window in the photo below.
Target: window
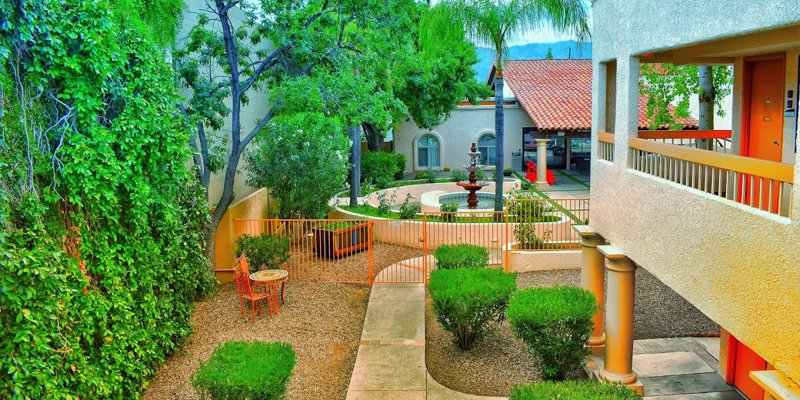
{"x": 428, "y": 151}
{"x": 487, "y": 145}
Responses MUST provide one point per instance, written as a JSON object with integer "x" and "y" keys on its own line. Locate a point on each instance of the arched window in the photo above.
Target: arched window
{"x": 487, "y": 145}
{"x": 428, "y": 151}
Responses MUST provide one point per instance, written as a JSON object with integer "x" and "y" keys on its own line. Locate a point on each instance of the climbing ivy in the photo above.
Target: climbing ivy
{"x": 97, "y": 159}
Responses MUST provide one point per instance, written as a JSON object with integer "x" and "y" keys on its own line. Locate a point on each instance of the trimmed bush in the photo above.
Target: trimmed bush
{"x": 427, "y": 175}
{"x": 448, "y": 211}
{"x": 555, "y": 323}
{"x": 452, "y": 256}
{"x": 380, "y": 167}
{"x": 469, "y": 303}
{"x": 507, "y": 171}
{"x": 400, "y": 161}
{"x": 263, "y": 250}
{"x": 246, "y": 370}
{"x": 572, "y": 390}
{"x": 459, "y": 175}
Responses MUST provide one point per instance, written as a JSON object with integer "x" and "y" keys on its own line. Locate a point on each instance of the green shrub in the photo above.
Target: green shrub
{"x": 263, "y": 250}
{"x": 246, "y": 370}
{"x": 572, "y": 390}
{"x": 459, "y": 175}
{"x": 469, "y": 302}
{"x": 380, "y": 167}
{"x": 555, "y": 323}
{"x": 427, "y": 175}
{"x": 400, "y": 161}
{"x": 386, "y": 201}
{"x": 409, "y": 208}
{"x": 452, "y": 256}
{"x": 507, "y": 172}
{"x": 480, "y": 174}
{"x": 448, "y": 211}
{"x": 446, "y": 169}
{"x": 529, "y": 239}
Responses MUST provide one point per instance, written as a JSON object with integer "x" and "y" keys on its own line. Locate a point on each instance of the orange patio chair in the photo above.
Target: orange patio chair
{"x": 246, "y": 293}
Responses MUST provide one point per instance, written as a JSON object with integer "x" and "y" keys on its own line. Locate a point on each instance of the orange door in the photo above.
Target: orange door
{"x": 747, "y": 360}
{"x": 763, "y": 127}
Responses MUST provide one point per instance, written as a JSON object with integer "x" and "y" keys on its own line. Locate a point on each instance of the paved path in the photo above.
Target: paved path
{"x": 391, "y": 357}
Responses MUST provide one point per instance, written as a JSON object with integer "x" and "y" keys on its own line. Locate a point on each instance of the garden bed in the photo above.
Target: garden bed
{"x": 322, "y": 322}
{"x": 500, "y": 361}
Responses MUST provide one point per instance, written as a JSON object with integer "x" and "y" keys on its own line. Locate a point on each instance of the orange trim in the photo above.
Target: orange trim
{"x": 730, "y": 365}
{"x": 690, "y": 134}
{"x": 606, "y": 137}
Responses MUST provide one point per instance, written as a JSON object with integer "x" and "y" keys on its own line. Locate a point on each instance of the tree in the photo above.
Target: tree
{"x": 669, "y": 87}
{"x": 302, "y": 157}
{"x": 549, "y": 55}
{"x": 300, "y": 52}
{"x": 494, "y": 23}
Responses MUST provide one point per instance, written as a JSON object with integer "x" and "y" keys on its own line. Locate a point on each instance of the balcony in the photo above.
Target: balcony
{"x": 702, "y": 160}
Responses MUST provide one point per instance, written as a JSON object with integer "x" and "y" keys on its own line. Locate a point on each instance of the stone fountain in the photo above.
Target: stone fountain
{"x": 472, "y": 185}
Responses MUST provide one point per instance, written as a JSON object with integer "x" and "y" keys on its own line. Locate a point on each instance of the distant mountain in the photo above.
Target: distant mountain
{"x": 531, "y": 51}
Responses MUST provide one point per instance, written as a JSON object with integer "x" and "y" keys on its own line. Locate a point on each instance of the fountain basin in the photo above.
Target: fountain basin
{"x": 485, "y": 201}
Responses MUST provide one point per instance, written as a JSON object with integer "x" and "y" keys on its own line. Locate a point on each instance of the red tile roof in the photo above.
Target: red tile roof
{"x": 557, "y": 94}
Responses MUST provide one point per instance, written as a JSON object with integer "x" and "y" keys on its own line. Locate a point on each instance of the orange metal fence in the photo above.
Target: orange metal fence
{"x": 367, "y": 251}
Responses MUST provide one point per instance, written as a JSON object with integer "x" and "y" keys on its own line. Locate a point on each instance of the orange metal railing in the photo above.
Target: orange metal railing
{"x": 367, "y": 251}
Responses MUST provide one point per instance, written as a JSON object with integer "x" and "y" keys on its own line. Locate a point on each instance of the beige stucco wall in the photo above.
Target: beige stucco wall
{"x": 737, "y": 265}
{"x": 465, "y": 125}
{"x": 257, "y": 107}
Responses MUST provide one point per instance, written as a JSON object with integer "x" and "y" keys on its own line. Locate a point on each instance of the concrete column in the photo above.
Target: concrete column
{"x": 626, "y": 120}
{"x": 593, "y": 271}
{"x": 568, "y": 152}
{"x": 541, "y": 164}
{"x": 618, "y": 362}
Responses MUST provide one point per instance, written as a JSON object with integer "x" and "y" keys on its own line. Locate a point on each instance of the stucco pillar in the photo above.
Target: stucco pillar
{"x": 541, "y": 164}
{"x": 593, "y": 271}
{"x": 626, "y": 122}
{"x": 618, "y": 361}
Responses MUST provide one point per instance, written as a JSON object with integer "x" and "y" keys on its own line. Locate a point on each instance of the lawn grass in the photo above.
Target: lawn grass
{"x": 395, "y": 184}
{"x": 371, "y": 211}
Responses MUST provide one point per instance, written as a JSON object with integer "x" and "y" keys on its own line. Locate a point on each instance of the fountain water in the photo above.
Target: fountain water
{"x": 472, "y": 185}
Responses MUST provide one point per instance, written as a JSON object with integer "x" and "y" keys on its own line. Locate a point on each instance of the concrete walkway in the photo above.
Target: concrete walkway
{"x": 391, "y": 357}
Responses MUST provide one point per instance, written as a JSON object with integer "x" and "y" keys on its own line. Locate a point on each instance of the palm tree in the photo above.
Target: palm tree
{"x": 494, "y": 22}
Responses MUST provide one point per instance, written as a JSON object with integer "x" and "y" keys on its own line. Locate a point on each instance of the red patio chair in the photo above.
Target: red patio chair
{"x": 246, "y": 293}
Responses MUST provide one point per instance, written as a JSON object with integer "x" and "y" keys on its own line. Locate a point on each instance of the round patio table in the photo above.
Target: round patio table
{"x": 272, "y": 278}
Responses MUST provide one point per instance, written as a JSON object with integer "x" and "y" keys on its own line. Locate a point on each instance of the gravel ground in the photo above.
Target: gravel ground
{"x": 322, "y": 321}
{"x": 500, "y": 361}
{"x": 306, "y": 265}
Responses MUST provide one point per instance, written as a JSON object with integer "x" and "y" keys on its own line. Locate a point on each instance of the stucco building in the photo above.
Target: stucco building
{"x": 720, "y": 229}
{"x": 544, "y": 99}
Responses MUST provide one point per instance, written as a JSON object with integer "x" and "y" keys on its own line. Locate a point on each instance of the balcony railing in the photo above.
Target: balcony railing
{"x": 766, "y": 185}
{"x": 605, "y": 146}
{"x": 712, "y": 140}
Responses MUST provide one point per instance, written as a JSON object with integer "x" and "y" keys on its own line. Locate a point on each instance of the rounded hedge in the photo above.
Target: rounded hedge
{"x": 469, "y": 303}
{"x": 572, "y": 390}
{"x": 461, "y": 256}
{"x": 555, "y": 323}
{"x": 246, "y": 370}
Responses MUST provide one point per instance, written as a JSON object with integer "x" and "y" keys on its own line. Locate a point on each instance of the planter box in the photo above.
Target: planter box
{"x": 337, "y": 240}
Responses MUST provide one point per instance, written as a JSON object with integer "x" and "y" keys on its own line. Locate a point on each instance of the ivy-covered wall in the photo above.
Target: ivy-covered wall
{"x": 93, "y": 155}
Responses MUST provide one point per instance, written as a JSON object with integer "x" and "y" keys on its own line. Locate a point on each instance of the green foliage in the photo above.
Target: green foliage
{"x": 528, "y": 237}
{"x": 265, "y": 250}
{"x": 409, "y": 208}
{"x": 104, "y": 180}
{"x": 380, "y": 167}
{"x": 480, "y": 175}
{"x": 302, "y": 158}
{"x": 470, "y": 302}
{"x": 555, "y": 323}
{"x": 507, "y": 171}
{"x": 400, "y": 158}
{"x": 426, "y": 175}
{"x": 669, "y": 88}
{"x": 446, "y": 169}
{"x": 572, "y": 390}
{"x": 452, "y": 256}
{"x": 386, "y": 201}
{"x": 448, "y": 211}
{"x": 158, "y": 20}
{"x": 246, "y": 370}
{"x": 549, "y": 55}
{"x": 459, "y": 175}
